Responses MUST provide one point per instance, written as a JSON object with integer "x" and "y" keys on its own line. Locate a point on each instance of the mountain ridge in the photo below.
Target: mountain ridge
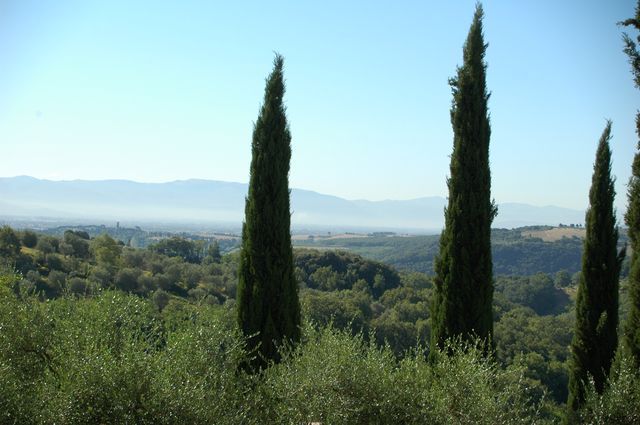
{"x": 220, "y": 201}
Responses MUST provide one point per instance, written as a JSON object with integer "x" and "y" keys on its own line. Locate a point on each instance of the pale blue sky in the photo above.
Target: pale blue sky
{"x": 156, "y": 91}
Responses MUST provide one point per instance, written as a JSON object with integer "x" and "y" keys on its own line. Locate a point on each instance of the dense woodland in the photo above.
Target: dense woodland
{"x": 70, "y": 283}
{"x": 95, "y": 330}
{"x": 514, "y": 252}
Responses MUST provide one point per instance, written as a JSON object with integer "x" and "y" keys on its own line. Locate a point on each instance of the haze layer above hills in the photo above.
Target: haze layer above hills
{"x": 208, "y": 201}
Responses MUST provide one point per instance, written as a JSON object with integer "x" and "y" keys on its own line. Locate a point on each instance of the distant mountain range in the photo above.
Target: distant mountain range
{"x": 207, "y": 201}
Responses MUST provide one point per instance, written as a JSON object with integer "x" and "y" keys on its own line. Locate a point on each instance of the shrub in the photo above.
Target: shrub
{"x": 29, "y": 238}
{"x": 26, "y": 342}
{"x": 198, "y": 378}
{"x": 620, "y": 402}
{"x": 336, "y": 378}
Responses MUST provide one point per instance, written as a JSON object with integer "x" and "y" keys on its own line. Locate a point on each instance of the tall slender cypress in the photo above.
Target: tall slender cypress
{"x": 462, "y": 304}
{"x": 632, "y": 217}
{"x": 595, "y": 338}
{"x": 268, "y": 305}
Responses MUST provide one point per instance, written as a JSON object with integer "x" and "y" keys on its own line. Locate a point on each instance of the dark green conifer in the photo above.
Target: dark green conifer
{"x": 632, "y": 217}
{"x": 595, "y": 338}
{"x": 268, "y": 305}
{"x": 462, "y": 305}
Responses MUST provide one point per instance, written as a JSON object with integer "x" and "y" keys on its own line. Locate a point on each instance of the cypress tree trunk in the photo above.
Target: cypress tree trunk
{"x": 595, "y": 338}
{"x": 268, "y": 306}
{"x": 632, "y": 217}
{"x": 462, "y": 304}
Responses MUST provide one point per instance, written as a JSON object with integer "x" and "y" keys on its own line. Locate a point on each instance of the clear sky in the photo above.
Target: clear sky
{"x": 156, "y": 91}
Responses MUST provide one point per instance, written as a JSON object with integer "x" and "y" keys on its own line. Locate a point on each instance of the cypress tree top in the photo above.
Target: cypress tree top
{"x": 268, "y": 306}
{"x": 463, "y": 297}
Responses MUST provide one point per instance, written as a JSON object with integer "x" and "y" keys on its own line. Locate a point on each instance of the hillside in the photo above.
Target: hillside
{"x": 522, "y": 251}
{"x": 514, "y": 251}
{"x": 337, "y": 288}
{"x": 555, "y": 233}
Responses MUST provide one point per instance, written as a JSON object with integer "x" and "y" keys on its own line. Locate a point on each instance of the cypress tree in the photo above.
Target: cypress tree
{"x": 268, "y": 305}
{"x": 595, "y": 338}
{"x": 462, "y": 305}
{"x": 632, "y": 217}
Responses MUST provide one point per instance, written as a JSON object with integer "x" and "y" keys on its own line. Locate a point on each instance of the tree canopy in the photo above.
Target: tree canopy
{"x": 462, "y": 303}
{"x": 596, "y": 337}
{"x": 268, "y": 305}
{"x": 632, "y": 217}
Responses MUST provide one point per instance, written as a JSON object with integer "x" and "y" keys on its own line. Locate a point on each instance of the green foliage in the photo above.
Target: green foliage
{"x": 176, "y": 246}
{"x": 115, "y": 358}
{"x": 462, "y": 302}
{"x": 404, "y": 322}
{"x": 9, "y": 243}
{"x": 562, "y": 279}
{"x": 529, "y": 256}
{"x": 413, "y": 253}
{"x": 537, "y": 292}
{"x": 632, "y": 325}
{"x": 596, "y": 338}
{"x": 106, "y": 250}
{"x": 127, "y": 279}
{"x": 104, "y": 348}
{"x": 26, "y": 341}
{"x": 56, "y": 283}
{"x": 198, "y": 380}
{"x": 47, "y": 244}
{"x": 29, "y": 238}
{"x": 632, "y": 216}
{"x": 343, "y": 309}
{"x": 160, "y": 299}
{"x": 399, "y": 335}
{"x": 334, "y": 377}
{"x": 110, "y": 360}
{"x": 539, "y": 343}
{"x": 512, "y": 253}
{"x": 338, "y": 270}
{"x": 619, "y": 403}
{"x": 630, "y": 47}
{"x": 77, "y": 243}
{"x": 213, "y": 253}
{"x": 268, "y": 305}
{"x": 399, "y": 318}
{"x": 139, "y": 238}
{"x": 101, "y": 277}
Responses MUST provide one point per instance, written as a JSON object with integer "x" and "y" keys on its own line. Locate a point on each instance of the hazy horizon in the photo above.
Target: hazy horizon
{"x": 155, "y": 92}
{"x": 191, "y": 201}
{"x": 426, "y": 196}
